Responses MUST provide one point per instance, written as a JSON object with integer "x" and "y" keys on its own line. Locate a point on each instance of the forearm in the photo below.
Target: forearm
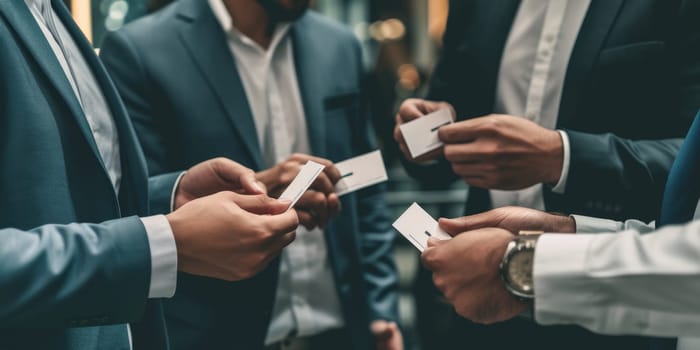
{"x": 55, "y": 275}
{"x": 621, "y": 283}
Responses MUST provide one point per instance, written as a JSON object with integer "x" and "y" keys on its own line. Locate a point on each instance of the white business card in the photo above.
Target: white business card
{"x": 360, "y": 172}
{"x": 306, "y": 177}
{"x": 421, "y": 134}
{"x": 418, "y": 226}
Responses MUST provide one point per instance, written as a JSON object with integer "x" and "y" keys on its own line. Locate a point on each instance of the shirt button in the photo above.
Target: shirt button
{"x": 549, "y": 38}
{"x": 531, "y": 116}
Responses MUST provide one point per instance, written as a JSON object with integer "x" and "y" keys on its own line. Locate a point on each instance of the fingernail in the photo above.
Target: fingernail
{"x": 257, "y": 187}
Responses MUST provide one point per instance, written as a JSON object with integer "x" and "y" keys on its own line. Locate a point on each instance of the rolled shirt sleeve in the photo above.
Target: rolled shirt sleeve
{"x": 621, "y": 283}
{"x": 163, "y": 257}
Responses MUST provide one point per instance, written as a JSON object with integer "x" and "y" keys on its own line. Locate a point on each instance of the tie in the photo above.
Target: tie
{"x": 681, "y": 197}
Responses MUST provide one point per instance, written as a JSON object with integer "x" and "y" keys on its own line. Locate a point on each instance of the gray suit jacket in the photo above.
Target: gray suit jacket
{"x": 74, "y": 256}
{"x": 181, "y": 86}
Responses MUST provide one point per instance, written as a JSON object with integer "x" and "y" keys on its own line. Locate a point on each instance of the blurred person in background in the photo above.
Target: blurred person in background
{"x": 569, "y": 106}
{"x": 267, "y": 83}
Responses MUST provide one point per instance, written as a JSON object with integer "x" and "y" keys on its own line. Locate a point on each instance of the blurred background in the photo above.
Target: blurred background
{"x": 401, "y": 41}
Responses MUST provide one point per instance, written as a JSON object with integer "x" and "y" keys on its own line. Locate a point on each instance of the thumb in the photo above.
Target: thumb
{"x": 260, "y": 204}
{"x": 466, "y": 223}
{"x": 382, "y": 330}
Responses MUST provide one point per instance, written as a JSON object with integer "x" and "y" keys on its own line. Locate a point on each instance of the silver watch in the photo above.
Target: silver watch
{"x": 516, "y": 266}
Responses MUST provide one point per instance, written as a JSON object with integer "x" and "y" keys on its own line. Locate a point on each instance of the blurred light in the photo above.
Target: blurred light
{"x": 116, "y": 15}
{"x": 390, "y": 29}
{"x": 361, "y": 30}
{"x": 409, "y": 78}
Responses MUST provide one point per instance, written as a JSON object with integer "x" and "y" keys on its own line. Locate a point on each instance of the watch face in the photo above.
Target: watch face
{"x": 520, "y": 271}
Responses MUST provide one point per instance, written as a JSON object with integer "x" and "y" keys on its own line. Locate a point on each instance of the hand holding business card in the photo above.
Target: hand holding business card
{"x": 417, "y": 226}
{"x": 306, "y": 177}
{"x": 421, "y": 134}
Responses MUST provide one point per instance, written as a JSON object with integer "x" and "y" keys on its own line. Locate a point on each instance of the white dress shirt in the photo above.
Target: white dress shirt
{"x": 306, "y": 301}
{"x": 634, "y": 282}
{"x": 94, "y": 105}
{"x": 531, "y": 77}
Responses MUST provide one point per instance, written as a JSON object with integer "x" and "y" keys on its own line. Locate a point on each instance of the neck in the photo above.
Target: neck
{"x": 250, "y": 18}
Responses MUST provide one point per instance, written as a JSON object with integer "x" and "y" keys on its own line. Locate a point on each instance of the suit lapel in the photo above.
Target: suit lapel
{"x": 311, "y": 84}
{"x": 591, "y": 38}
{"x": 219, "y": 69}
{"x": 20, "y": 18}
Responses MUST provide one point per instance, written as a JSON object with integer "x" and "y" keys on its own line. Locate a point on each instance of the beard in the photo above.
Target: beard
{"x": 281, "y": 13}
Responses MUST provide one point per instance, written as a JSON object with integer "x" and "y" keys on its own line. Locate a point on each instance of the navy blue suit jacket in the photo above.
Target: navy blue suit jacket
{"x": 179, "y": 80}
{"x": 62, "y": 283}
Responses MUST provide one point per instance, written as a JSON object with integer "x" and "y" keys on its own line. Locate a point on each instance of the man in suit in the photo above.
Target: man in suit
{"x": 250, "y": 80}
{"x": 612, "y": 282}
{"x": 554, "y": 100}
{"x": 82, "y": 266}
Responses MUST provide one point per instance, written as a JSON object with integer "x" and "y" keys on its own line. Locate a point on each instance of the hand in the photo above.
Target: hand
{"x": 318, "y": 204}
{"x": 513, "y": 219}
{"x": 503, "y": 152}
{"x": 411, "y": 109}
{"x": 213, "y": 176}
{"x": 466, "y": 270}
{"x": 230, "y": 236}
{"x": 387, "y": 334}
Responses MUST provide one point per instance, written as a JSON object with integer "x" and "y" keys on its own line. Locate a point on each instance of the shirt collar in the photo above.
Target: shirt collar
{"x": 226, "y": 22}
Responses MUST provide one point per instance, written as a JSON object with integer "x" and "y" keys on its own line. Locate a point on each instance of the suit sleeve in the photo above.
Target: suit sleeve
{"x": 123, "y": 62}
{"x": 74, "y": 275}
{"x": 621, "y": 283}
{"x": 377, "y": 236}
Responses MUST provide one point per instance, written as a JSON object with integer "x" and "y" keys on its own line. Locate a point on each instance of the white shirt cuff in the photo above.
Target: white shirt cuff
{"x": 163, "y": 256}
{"x": 560, "y": 187}
{"x": 172, "y": 195}
{"x": 559, "y": 278}
{"x": 587, "y": 224}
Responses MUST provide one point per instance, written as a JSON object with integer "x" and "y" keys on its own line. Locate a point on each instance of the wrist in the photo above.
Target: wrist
{"x": 555, "y": 152}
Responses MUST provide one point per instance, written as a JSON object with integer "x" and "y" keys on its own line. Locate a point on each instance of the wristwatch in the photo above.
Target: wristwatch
{"x": 516, "y": 266}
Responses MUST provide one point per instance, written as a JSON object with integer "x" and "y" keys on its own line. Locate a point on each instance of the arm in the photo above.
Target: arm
{"x": 130, "y": 76}
{"x": 74, "y": 275}
{"x": 622, "y": 283}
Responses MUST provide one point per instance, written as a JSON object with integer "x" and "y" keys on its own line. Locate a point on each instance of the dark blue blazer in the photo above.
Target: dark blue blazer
{"x": 62, "y": 283}
{"x": 179, "y": 80}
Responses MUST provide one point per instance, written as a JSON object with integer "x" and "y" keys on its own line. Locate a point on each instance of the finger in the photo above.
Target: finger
{"x": 411, "y": 109}
{"x": 281, "y": 224}
{"x": 323, "y": 184}
{"x": 463, "y": 131}
{"x": 307, "y": 220}
{"x": 232, "y": 172}
{"x": 334, "y": 206}
{"x": 471, "y": 152}
{"x": 321, "y": 209}
{"x": 433, "y": 242}
{"x": 467, "y": 223}
{"x": 381, "y": 330}
{"x": 333, "y": 173}
{"x": 250, "y": 183}
{"x": 258, "y": 204}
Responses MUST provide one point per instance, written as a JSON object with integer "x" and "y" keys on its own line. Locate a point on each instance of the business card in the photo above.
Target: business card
{"x": 417, "y": 226}
{"x": 421, "y": 134}
{"x": 360, "y": 172}
{"x": 306, "y": 177}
